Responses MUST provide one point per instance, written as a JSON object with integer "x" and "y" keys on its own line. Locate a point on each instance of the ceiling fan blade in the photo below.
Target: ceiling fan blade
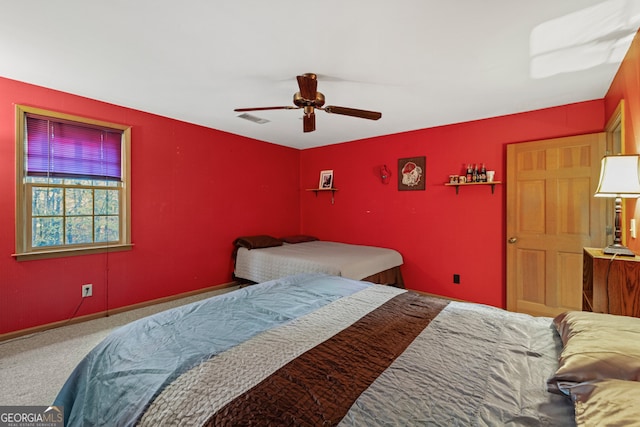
{"x": 308, "y": 84}
{"x": 353, "y": 112}
{"x": 309, "y": 122}
{"x": 288, "y": 107}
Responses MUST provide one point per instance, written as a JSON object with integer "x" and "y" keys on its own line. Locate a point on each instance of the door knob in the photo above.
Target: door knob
{"x": 513, "y": 240}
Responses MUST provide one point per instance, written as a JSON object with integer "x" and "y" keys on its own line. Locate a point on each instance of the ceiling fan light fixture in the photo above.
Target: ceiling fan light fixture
{"x": 300, "y": 101}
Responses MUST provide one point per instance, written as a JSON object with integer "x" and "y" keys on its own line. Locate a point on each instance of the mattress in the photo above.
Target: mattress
{"x": 316, "y": 349}
{"x": 339, "y": 259}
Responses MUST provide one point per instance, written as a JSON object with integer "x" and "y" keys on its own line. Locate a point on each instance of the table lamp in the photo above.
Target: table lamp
{"x": 619, "y": 178}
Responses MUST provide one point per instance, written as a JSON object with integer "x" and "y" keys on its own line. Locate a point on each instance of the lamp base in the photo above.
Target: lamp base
{"x": 618, "y": 249}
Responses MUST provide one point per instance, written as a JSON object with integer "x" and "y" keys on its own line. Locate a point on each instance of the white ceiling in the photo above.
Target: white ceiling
{"x": 422, "y": 63}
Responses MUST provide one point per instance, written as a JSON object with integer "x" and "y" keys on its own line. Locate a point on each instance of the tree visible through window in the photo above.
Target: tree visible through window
{"x": 68, "y": 212}
{"x": 73, "y": 192}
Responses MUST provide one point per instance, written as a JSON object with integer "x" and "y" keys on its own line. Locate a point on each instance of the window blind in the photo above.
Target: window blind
{"x": 67, "y": 150}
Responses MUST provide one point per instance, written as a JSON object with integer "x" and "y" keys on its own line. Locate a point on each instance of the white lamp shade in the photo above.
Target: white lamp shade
{"x": 619, "y": 176}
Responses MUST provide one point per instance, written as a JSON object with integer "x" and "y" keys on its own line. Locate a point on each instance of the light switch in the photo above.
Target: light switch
{"x": 632, "y": 228}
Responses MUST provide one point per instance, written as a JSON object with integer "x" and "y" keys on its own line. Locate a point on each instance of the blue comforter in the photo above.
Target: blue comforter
{"x": 112, "y": 387}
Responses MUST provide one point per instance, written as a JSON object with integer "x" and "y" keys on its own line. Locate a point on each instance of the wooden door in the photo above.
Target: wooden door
{"x": 551, "y": 216}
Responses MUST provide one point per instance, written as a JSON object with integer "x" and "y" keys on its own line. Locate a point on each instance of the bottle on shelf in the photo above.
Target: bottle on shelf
{"x": 469, "y": 173}
{"x": 474, "y": 174}
{"x": 483, "y": 173}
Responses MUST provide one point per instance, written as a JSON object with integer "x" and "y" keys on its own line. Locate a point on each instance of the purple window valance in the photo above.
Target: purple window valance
{"x": 67, "y": 150}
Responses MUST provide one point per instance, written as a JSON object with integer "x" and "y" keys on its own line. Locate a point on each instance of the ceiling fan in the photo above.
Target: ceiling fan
{"x": 309, "y": 99}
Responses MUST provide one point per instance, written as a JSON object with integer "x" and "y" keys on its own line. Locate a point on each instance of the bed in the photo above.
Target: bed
{"x": 262, "y": 258}
{"x": 315, "y": 349}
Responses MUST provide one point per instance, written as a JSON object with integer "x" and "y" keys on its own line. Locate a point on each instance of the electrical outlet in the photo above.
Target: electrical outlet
{"x": 87, "y": 290}
{"x": 456, "y": 279}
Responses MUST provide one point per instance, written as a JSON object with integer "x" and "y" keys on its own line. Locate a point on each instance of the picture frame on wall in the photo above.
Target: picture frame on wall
{"x": 411, "y": 173}
{"x": 326, "y": 179}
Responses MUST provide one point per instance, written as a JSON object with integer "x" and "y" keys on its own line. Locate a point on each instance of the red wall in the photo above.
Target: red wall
{"x": 626, "y": 85}
{"x": 438, "y": 232}
{"x": 193, "y": 191}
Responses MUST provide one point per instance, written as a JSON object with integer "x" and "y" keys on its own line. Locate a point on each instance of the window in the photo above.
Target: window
{"x": 72, "y": 184}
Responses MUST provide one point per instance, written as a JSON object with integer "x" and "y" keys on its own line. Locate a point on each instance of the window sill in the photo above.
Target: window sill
{"x": 58, "y": 253}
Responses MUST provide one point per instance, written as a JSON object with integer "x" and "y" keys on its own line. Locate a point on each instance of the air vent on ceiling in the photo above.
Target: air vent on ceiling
{"x": 253, "y": 118}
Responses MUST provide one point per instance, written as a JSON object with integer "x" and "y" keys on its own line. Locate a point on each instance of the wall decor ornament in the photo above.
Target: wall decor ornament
{"x": 326, "y": 179}
{"x": 385, "y": 174}
{"x": 411, "y": 173}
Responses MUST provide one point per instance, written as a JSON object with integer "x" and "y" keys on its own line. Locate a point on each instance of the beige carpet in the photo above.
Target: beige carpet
{"x": 34, "y": 368}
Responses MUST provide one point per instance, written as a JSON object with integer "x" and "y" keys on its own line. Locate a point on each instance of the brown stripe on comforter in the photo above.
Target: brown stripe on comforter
{"x": 319, "y": 386}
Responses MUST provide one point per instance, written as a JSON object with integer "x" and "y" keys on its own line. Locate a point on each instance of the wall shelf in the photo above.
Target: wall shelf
{"x": 467, "y": 184}
{"x": 320, "y": 190}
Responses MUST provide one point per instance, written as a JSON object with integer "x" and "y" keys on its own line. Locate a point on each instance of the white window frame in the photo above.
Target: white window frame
{"x": 24, "y": 250}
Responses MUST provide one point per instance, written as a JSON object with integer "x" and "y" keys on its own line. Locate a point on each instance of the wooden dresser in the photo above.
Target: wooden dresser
{"x": 610, "y": 286}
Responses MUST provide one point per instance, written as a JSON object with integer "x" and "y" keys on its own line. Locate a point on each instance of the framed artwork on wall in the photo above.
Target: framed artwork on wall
{"x": 411, "y": 173}
{"x": 326, "y": 179}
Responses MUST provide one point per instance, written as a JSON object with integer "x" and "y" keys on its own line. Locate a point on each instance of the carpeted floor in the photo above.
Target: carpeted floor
{"x": 33, "y": 368}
